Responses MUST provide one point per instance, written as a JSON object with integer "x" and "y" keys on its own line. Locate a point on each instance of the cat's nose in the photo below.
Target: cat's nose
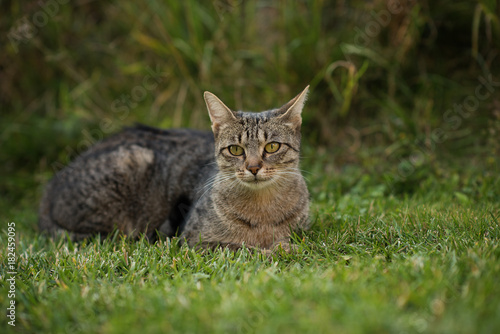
{"x": 254, "y": 169}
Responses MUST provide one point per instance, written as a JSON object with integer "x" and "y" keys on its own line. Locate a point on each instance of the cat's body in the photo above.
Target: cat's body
{"x": 244, "y": 187}
{"x": 136, "y": 181}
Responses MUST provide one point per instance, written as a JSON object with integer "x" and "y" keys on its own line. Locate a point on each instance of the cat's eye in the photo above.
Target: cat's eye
{"x": 272, "y": 147}
{"x": 236, "y": 150}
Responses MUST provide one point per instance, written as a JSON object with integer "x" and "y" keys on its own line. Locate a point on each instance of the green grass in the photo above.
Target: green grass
{"x": 372, "y": 263}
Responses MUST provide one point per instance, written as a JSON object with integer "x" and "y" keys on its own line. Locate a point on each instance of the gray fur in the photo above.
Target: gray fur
{"x": 147, "y": 180}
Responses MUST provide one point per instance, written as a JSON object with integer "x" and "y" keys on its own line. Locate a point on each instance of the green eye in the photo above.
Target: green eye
{"x": 272, "y": 147}
{"x": 236, "y": 150}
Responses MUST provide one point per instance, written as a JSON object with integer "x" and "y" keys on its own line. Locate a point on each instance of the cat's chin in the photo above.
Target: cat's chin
{"x": 256, "y": 184}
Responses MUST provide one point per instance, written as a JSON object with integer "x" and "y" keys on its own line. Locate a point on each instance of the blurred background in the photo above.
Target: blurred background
{"x": 405, "y": 95}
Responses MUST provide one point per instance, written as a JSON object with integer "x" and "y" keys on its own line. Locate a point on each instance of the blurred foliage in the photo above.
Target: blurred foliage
{"x": 385, "y": 79}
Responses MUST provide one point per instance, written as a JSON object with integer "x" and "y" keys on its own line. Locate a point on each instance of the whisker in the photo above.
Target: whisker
{"x": 216, "y": 180}
{"x": 290, "y": 172}
{"x": 216, "y": 177}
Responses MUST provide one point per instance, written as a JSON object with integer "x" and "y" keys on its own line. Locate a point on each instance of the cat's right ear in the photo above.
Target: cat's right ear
{"x": 218, "y": 112}
{"x": 291, "y": 112}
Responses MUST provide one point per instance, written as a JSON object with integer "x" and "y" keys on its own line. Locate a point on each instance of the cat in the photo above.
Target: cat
{"x": 239, "y": 185}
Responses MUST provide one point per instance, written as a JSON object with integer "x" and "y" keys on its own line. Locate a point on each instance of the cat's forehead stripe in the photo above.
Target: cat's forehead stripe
{"x": 252, "y": 123}
{"x": 254, "y": 127}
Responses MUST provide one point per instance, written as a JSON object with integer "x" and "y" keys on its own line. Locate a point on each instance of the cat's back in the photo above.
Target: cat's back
{"x": 161, "y": 141}
{"x": 140, "y": 150}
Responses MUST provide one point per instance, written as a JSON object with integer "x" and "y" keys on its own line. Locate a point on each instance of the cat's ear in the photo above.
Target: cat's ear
{"x": 293, "y": 109}
{"x": 218, "y": 112}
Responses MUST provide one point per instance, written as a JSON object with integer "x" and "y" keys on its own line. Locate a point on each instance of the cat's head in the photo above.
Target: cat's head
{"x": 257, "y": 149}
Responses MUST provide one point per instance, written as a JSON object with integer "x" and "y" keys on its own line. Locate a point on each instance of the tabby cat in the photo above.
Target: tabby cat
{"x": 239, "y": 186}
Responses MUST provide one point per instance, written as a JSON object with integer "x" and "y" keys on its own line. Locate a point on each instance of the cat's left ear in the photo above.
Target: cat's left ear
{"x": 293, "y": 109}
